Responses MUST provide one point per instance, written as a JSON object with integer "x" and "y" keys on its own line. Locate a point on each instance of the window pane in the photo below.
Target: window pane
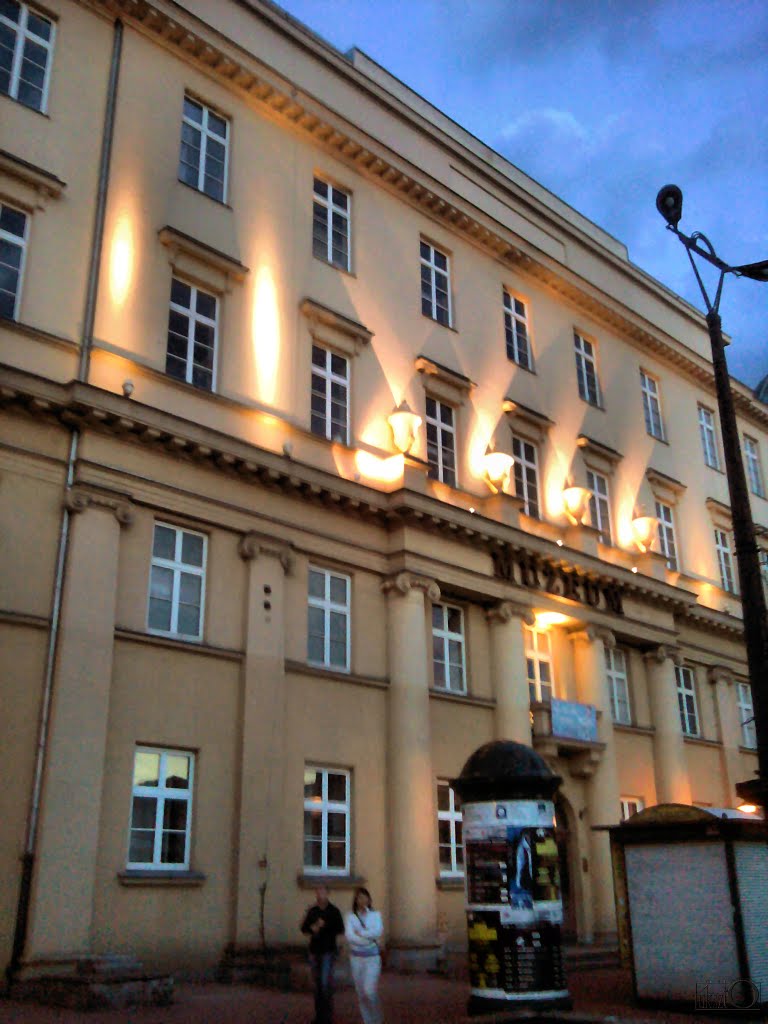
{"x": 337, "y": 652}
{"x": 444, "y": 832}
{"x": 142, "y": 846}
{"x": 338, "y": 590}
{"x": 313, "y": 824}
{"x": 337, "y": 787}
{"x": 313, "y": 784}
{"x": 159, "y": 614}
{"x": 454, "y": 620}
{"x": 177, "y": 771}
{"x": 162, "y": 583}
{"x": 190, "y": 589}
{"x": 144, "y": 811}
{"x": 443, "y": 797}
{"x": 337, "y": 825}
{"x": 146, "y": 769}
{"x": 192, "y": 549}
{"x": 174, "y": 847}
{"x": 313, "y": 853}
{"x": 193, "y": 110}
{"x": 164, "y": 545}
{"x": 206, "y": 305}
{"x": 315, "y": 648}
{"x": 316, "y": 584}
{"x": 189, "y": 620}
{"x": 337, "y": 854}
{"x": 175, "y": 814}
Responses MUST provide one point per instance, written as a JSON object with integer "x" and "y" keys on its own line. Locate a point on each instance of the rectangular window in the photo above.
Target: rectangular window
{"x": 651, "y": 405}
{"x": 600, "y": 506}
{"x": 618, "y": 684}
{"x": 667, "y": 543}
{"x": 13, "y": 243}
{"x": 516, "y": 331}
{"x": 204, "y": 143}
{"x": 328, "y": 619}
{"x": 330, "y": 395}
{"x": 326, "y": 820}
{"x": 330, "y": 224}
{"x": 762, "y": 556}
{"x": 754, "y": 469}
{"x": 725, "y": 561}
{"x": 586, "y": 369}
{"x": 708, "y": 437}
{"x": 686, "y": 701}
{"x": 161, "y": 809}
{"x": 526, "y": 470}
{"x": 449, "y": 838}
{"x": 441, "y": 441}
{"x": 631, "y": 805}
{"x": 746, "y": 715}
{"x": 192, "y": 330}
{"x": 26, "y": 45}
{"x": 538, "y": 657}
{"x": 448, "y": 648}
{"x": 177, "y": 583}
{"x": 435, "y": 284}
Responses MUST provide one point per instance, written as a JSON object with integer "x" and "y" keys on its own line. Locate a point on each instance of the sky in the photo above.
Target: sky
{"x": 603, "y": 102}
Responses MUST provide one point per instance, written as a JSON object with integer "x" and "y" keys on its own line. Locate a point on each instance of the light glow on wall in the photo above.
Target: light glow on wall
{"x": 121, "y": 259}
{"x": 545, "y": 620}
{"x": 385, "y": 471}
{"x": 265, "y": 335}
{"x": 481, "y": 438}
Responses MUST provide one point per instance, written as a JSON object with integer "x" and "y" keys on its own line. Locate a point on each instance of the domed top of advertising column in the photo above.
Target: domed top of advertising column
{"x": 505, "y": 770}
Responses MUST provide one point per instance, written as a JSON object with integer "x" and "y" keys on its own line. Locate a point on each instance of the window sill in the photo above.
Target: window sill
{"x": 640, "y": 730}
{"x": 136, "y": 876}
{"x": 450, "y": 883}
{"x": 592, "y": 405}
{"x": 462, "y": 698}
{"x": 199, "y": 191}
{"x": 310, "y": 881}
{"x": 448, "y": 327}
{"x": 655, "y": 437}
{"x": 304, "y": 668}
{"x": 747, "y": 750}
{"x": 701, "y": 741}
{"x": 25, "y": 106}
{"x": 335, "y": 266}
{"x": 520, "y": 366}
{"x": 193, "y": 647}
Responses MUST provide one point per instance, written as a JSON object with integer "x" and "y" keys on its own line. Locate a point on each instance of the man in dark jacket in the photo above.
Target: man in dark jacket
{"x": 323, "y": 922}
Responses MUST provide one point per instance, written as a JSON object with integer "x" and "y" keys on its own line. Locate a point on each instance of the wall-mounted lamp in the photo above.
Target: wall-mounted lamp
{"x": 498, "y": 466}
{"x": 747, "y": 808}
{"x": 405, "y": 424}
{"x": 576, "y": 503}
{"x": 643, "y": 530}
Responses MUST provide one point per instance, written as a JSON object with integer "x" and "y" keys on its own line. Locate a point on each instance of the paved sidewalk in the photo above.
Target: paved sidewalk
{"x": 408, "y": 999}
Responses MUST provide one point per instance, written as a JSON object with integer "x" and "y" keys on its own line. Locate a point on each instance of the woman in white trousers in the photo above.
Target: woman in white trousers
{"x": 363, "y": 932}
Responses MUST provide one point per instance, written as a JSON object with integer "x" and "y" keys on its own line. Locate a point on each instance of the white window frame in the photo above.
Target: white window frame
{"x": 725, "y": 561}
{"x": 193, "y": 319}
{"x": 654, "y": 422}
{"x": 746, "y": 708}
{"x": 600, "y": 505}
{"x": 618, "y": 685}
{"x": 538, "y": 652}
{"x": 330, "y": 607}
{"x": 429, "y": 300}
{"x": 452, "y": 817}
{"x": 585, "y": 352}
{"x": 666, "y": 534}
{"x": 337, "y": 218}
{"x": 179, "y": 568}
{"x": 20, "y": 242}
{"x": 443, "y": 636}
{"x": 441, "y": 441}
{"x": 23, "y": 35}
{"x": 708, "y": 435}
{"x": 762, "y": 557}
{"x": 324, "y": 380}
{"x": 754, "y": 467}
{"x": 516, "y": 330}
{"x": 687, "y": 704}
{"x": 206, "y": 134}
{"x": 629, "y": 805}
{"x": 526, "y": 474}
{"x": 161, "y": 793}
{"x": 326, "y": 807}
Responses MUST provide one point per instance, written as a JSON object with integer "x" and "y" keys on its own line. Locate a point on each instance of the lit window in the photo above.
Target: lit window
{"x": 631, "y": 805}
{"x": 328, "y": 619}
{"x": 618, "y": 684}
{"x": 666, "y": 534}
{"x": 600, "y": 506}
{"x": 516, "y": 331}
{"x": 708, "y": 437}
{"x": 203, "y": 157}
{"x": 13, "y": 235}
{"x": 725, "y": 561}
{"x": 177, "y": 583}
{"x": 441, "y": 441}
{"x": 191, "y": 351}
{"x": 161, "y": 810}
{"x": 326, "y": 820}
{"x": 651, "y": 405}
{"x": 449, "y": 824}
{"x": 26, "y": 45}
{"x": 586, "y": 369}
{"x": 330, "y": 224}
{"x": 330, "y": 395}
{"x": 686, "y": 701}
{"x": 526, "y": 472}
{"x": 538, "y": 657}
{"x": 448, "y": 648}
{"x": 754, "y": 469}
{"x": 746, "y": 715}
{"x": 435, "y": 284}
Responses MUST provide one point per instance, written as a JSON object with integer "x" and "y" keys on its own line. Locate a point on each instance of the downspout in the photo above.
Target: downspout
{"x": 86, "y": 345}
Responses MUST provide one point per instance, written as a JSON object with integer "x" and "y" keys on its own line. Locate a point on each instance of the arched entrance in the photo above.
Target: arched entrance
{"x": 566, "y": 844}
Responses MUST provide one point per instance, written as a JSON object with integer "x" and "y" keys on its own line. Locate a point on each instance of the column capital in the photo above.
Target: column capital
{"x": 719, "y": 674}
{"x": 663, "y": 652}
{"x": 403, "y": 582}
{"x": 505, "y": 611}
{"x": 251, "y": 545}
{"x": 588, "y": 634}
{"x": 80, "y": 497}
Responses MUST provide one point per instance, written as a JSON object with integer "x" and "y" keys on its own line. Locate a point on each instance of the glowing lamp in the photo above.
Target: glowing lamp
{"x": 747, "y": 808}
{"x": 643, "y": 530}
{"x": 404, "y": 423}
{"x": 497, "y": 466}
{"x": 576, "y": 503}
{"x": 545, "y": 620}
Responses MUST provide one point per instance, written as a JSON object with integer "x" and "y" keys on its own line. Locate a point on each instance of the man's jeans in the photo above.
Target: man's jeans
{"x": 322, "y": 975}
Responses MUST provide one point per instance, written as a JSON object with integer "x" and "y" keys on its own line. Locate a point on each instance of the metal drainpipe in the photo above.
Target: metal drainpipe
{"x": 86, "y": 344}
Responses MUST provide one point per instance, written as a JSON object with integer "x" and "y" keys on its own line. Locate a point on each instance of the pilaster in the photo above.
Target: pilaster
{"x": 510, "y": 680}
{"x": 722, "y": 683}
{"x": 670, "y": 765}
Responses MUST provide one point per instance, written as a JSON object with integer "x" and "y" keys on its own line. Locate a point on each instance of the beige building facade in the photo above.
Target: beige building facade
{"x": 252, "y": 624}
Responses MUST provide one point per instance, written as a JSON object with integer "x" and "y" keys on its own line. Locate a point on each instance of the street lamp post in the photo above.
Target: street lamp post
{"x": 669, "y": 203}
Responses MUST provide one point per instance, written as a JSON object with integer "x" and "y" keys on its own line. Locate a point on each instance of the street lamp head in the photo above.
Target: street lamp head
{"x": 669, "y": 203}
